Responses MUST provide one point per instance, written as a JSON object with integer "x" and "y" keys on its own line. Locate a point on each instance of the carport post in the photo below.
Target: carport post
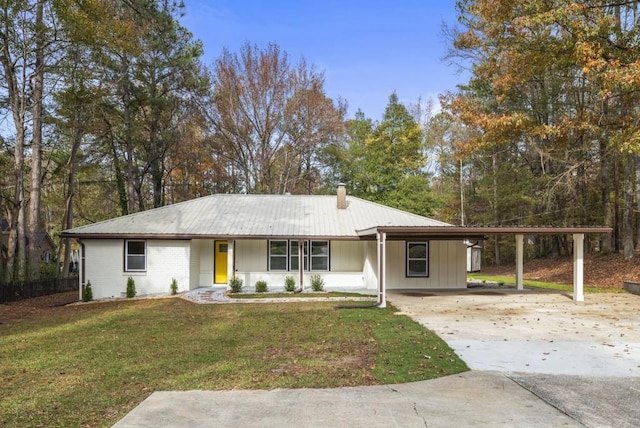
{"x": 382, "y": 269}
{"x": 519, "y": 261}
{"x": 578, "y": 264}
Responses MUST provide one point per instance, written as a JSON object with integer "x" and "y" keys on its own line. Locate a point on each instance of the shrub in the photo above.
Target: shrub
{"x": 317, "y": 283}
{"x": 289, "y": 283}
{"x": 87, "y": 293}
{"x": 235, "y": 284}
{"x": 261, "y": 286}
{"x": 131, "y": 288}
{"x": 174, "y": 286}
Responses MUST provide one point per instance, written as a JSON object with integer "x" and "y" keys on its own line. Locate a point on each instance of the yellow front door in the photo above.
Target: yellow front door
{"x": 220, "y": 262}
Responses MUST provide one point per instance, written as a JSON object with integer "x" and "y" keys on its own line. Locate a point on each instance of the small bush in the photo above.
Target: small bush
{"x": 317, "y": 283}
{"x": 173, "y": 287}
{"x": 235, "y": 284}
{"x": 261, "y": 286}
{"x": 131, "y": 288}
{"x": 87, "y": 293}
{"x": 289, "y": 283}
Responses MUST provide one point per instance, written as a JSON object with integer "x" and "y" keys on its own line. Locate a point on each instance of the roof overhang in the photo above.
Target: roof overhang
{"x": 473, "y": 232}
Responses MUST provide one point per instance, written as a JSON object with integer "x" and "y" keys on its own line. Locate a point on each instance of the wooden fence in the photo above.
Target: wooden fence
{"x": 15, "y": 291}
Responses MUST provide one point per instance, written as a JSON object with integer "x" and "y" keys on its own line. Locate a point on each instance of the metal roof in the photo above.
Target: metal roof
{"x": 255, "y": 216}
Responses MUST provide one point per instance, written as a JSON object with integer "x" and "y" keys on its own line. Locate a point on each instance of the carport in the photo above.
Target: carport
{"x": 474, "y": 233}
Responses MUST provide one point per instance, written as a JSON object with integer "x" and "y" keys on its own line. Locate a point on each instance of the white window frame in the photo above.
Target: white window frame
{"x": 326, "y": 256}
{"x": 307, "y": 256}
{"x": 425, "y": 259}
{"x": 127, "y": 255}
{"x": 285, "y": 256}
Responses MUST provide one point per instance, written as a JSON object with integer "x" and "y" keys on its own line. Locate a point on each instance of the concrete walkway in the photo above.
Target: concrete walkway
{"x": 539, "y": 360}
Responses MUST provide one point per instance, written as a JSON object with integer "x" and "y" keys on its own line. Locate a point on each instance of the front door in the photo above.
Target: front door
{"x": 220, "y": 262}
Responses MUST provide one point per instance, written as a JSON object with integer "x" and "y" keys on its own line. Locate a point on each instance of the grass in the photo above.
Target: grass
{"x": 89, "y": 365}
{"x": 508, "y": 280}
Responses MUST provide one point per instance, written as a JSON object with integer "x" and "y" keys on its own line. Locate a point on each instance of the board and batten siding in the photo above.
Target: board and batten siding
{"x": 447, "y": 266}
{"x": 104, "y": 267}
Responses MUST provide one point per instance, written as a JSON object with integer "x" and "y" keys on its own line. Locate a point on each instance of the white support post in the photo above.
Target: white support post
{"x": 301, "y": 263}
{"x": 231, "y": 260}
{"x": 519, "y": 262}
{"x": 578, "y": 265}
{"x": 382, "y": 269}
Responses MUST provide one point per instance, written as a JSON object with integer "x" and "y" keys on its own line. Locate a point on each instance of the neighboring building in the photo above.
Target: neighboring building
{"x": 474, "y": 256}
{"x": 45, "y": 243}
{"x": 205, "y": 241}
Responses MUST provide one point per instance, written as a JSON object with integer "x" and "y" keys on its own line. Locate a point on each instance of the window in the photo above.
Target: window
{"x": 294, "y": 253}
{"x": 319, "y": 255}
{"x": 284, "y": 255}
{"x": 277, "y": 255}
{"x": 135, "y": 256}
{"x": 417, "y": 259}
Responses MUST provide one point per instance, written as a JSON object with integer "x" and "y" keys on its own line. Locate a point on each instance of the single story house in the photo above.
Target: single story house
{"x": 350, "y": 242}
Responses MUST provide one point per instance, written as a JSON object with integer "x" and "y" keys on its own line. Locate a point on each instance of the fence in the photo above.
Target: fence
{"x": 16, "y": 291}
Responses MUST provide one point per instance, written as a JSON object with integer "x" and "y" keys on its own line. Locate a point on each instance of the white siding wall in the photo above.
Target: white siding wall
{"x": 347, "y": 256}
{"x": 370, "y": 269}
{"x": 195, "y": 252}
{"x": 447, "y": 266}
{"x": 166, "y": 259}
{"x": 353, "y": 265}
{"x": 206, "y": 258}
{"x": 347, "y": 259}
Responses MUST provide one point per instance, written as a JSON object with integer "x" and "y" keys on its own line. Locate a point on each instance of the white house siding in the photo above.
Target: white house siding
{"x": 346, "y": 260}
{"x": 447, "y": 266}
{"x": 370, "y": 268}
{"x": 347, "y": 256}
{"x": 205, "y": 259}
{"x": 166, "y": 259}
{"x": 195, "y": 251}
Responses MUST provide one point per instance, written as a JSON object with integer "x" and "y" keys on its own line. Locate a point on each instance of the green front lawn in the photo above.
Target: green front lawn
{"x": 89, "y": 365}
{"x": 509, "y": 280}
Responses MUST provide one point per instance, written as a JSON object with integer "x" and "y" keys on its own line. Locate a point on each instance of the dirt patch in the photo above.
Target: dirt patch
{"x": 599, "y": 271}
{"x": 38, "y": 306}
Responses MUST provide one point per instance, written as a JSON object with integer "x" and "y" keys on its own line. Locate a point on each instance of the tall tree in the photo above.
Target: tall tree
{"x": 268, "y": 117}
{"x": 27, "y": 43}
{"x": 561, "y": 76}
{"x": 385, "y": 162}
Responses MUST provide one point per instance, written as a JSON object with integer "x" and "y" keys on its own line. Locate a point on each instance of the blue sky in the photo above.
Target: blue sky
{"x": 367, "y": 49}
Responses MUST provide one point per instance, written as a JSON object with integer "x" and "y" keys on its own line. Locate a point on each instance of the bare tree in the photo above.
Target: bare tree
{"x": 269, "y": 118}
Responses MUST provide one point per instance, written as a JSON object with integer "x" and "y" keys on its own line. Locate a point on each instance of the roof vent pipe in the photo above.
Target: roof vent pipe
{"x": 342, "y": 197}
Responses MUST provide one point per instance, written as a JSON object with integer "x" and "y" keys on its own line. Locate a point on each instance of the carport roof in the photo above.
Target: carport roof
{"x": 477, "y": 232}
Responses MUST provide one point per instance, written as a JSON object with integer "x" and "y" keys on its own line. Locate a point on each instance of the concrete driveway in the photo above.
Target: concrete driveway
{"x": 533, "y": 331}
{"x": 581, "y": 358}
{"x": 538, "y": 359}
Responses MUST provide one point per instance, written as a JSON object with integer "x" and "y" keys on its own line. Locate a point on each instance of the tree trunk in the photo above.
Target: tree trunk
{"x": 637, "y": 213}
{"x": 71, "y": 182}
{"x": 605, "y": 189}
{"x": 35, "y": 193}
{"x": 616, "y": 203}
{"x": 16, "y": 251}
{"x": 627, "y": 214}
